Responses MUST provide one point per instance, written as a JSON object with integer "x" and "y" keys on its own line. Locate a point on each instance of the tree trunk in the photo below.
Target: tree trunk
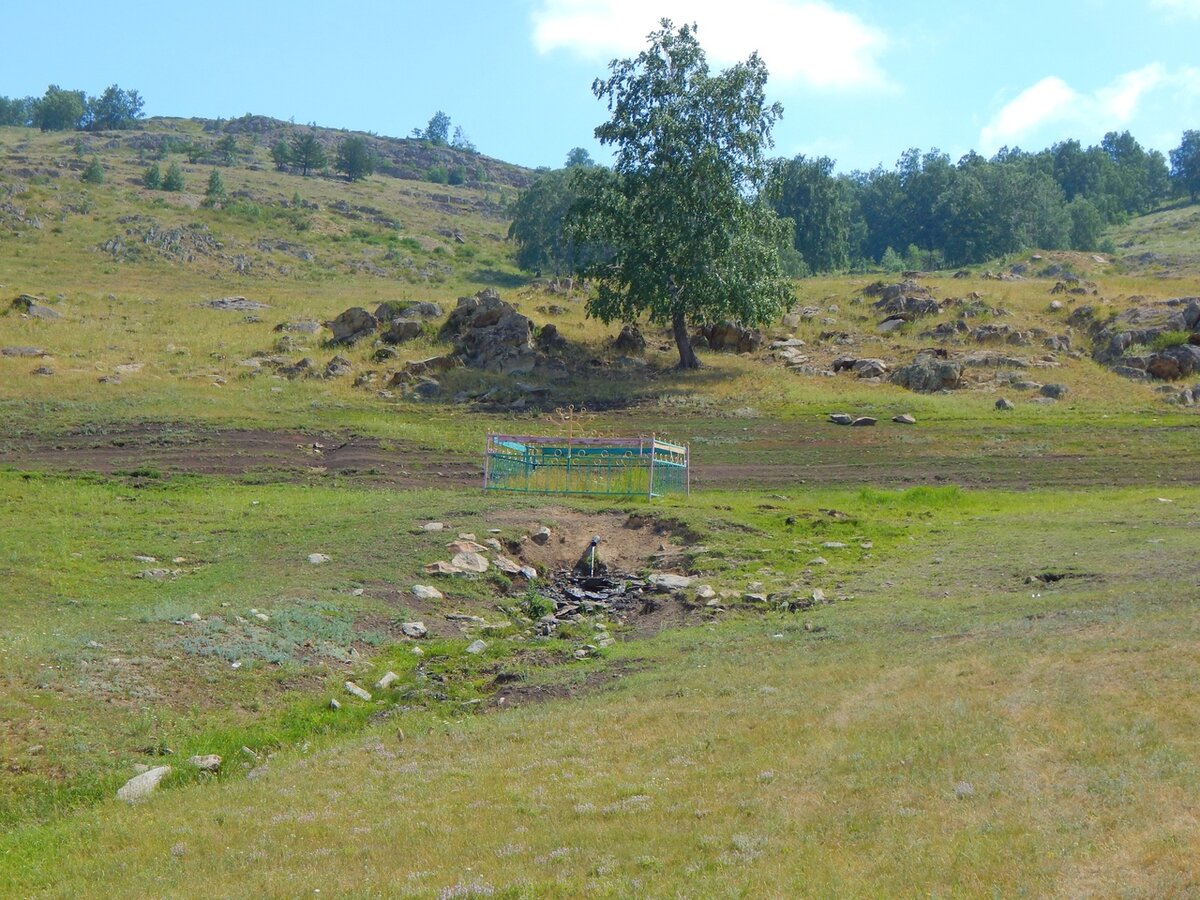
{"x": 687, "y": 356}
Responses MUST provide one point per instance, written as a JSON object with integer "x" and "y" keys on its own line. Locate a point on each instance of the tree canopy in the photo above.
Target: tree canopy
{"x": 1185, "y": 165}
{"x": 307, "y": 154}
{"x": 688, "y": 242}
{"x": 355, "y": 159}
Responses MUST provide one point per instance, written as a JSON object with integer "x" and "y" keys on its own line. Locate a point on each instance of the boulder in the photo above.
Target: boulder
{"x": 209, "y": 762}
{"x": 29, "y": 352}
{"x": 426, "y": 592}
{"x": 337, "y": 367}
{"x": 840, "y": 418}
{"x": 1175, "y": 362}
{"x": 352, "y": 326}
{"x": 415, "y": 630}
{"x": 356, "y": 691}
{"x": 469, "y": 562}
{"x": 142, "y": 786}
{"x": 731, "y": 336}
{"x": 476, "y": 647}
{"x": 630, "y": 340}
{"x": 1054, "y": 391}
{"x": 490, "y": 334}
{"x": 904, "y": 419}
{"x": 401, "y": 330}
{"x": 863, "y": 421}
{"x": 1002, "y": 403}
{"x": 928, "y": 373}
{"x": 549, "y": 340}
{"x": 671, "y": 582}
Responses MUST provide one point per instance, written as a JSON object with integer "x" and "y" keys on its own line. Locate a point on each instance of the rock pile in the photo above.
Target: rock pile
{"x": 929, "y": 373}
{"x": 1131, "y": 342}
{"x": 490, "y": 334}
{"x": 731, "y": 336}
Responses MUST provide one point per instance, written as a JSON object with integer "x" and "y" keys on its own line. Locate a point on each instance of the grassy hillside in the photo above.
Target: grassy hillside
{"x": 950, "y": 657}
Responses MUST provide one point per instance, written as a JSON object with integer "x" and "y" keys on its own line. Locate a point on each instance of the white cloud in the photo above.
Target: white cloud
{"x": 1053, "y": 105}
{"x": 1179, "y": 8}
{"x": 807, "y": 42}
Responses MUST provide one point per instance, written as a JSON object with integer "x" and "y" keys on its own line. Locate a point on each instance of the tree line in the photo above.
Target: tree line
{"x": 71, "y": 110}
{"x": 924, "y": 212}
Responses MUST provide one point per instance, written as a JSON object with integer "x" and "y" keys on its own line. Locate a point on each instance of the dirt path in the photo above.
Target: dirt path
{"x": 174, "y": 448}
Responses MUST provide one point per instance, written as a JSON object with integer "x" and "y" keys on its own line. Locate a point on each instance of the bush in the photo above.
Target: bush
{"x": 457, "y": 175}
{"x": 174, "y": 179}
{"x": 1169, "y": 339}
{"x": 152, "y": 177}
{"x": 94, "y": 173}
{"x": 438, "y": 175}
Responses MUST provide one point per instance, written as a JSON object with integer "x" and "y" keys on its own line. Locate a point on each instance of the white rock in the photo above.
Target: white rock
{"x": 262, "y": 617}
{"x": 476, "y": 646}
{"x": 433, "y": 526}
{"x": 671, "y": 582}
{"x": 196, "y": 617}
{"x": 207, "y": 763}
{"x": 529, "y": 573}
{"x": 834, "y": 545}
{"x": 141, "y": 786}
{"x": 705, "y": 592}
{"x": 466, "y": 536}
{"x": 155, "y": 574}
{"x": 414, "y": 629}
{"x": 426, "y": 592}
{"x": 388, "y": 679}
{"x": 542, "y": 535}
{"x": 145, "y": 559}
{"x": 507, "y": 566}
{"x": 818, "y": 595}
{"x": 355, "y": 690}
{"x": 818, "y": 561}
{"x": 333, "y": 704}
{"x": 469, "y": 562}
{"x": 317, "y": 558}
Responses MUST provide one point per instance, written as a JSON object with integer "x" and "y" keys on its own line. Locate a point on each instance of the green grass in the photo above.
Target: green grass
{"x": 950, "y": 729}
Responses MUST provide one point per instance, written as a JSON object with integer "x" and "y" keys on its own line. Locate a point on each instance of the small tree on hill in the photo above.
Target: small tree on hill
{"x": 214, "y": 194}
{"x": 578, "y": 156}
{"x": 355, "y": 159}
{"x": 60, "y": 110}
{"x": 307, "y": 154}
{"x": 281, "y": 155}
{"x": 437, "y": 131}
{"x": 173, "y": 180}
{"x": 462, "y": 140}
{"x": 115, "y": 109}
{"x": 94, "y": 173}
{"x": 152, "y": 177}
{"x": 688, "y": 245}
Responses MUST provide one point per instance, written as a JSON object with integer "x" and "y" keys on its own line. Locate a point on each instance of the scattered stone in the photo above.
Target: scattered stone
{"x": 469, "y": 562}
{"x": 466, "y": 546}
{"x": 529, "y": 573}
{"x": 929, "y": 373}
{"x": 355, "y": 690}
{"x": 334, "y": 705}
{"x": 705, "y": 592}
{"x": 389, "y": 678}
{"x": 671, "y": 582}
{"x": 904, "y": 419}
{"x": 731, "y": 336}
{"x": 415, "y": 630}
{"x": 208, "y": 763}
{"x": 262, "y": 617}
{"x": 1003, "y": 403}
{"x": 337, "y": 367}
{"x": 506, "y": 565}
{"x": 142, "y": 786}
{"x": 964, "y": 789}
{"x": 476, "y": 647}
{"x": 841, "y": 418}
{"x": 818, "y": 595}
{"x": 426, "y": 592}
{"x": 442, "y": 568}
{"x": 155, "y": 574}
{"x": 630, "y": 340}
{"x": 402, "y": 330}
{"x": 29, "y": 352}
{"x": 541, "y": 536}
{"x": 236, "y": 304}
{"x": 433, "y": 526}
{"x": 863, "y": 421}
{"x": 818, "y": 561}
{"x": 318, "y": 558}
{"x": 833, "y": 545}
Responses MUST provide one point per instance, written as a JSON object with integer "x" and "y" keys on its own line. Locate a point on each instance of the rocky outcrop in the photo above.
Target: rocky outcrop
{"x": 906, "y": 299}
{"x": 731, "y": 336}
{"x": 630, "y": 340}
{"x": 490, "y": 334}
{"x": 1132, "y": 341}
{"x": 929, "y": 373}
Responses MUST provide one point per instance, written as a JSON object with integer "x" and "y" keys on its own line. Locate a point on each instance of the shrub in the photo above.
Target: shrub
{"x": 94, "y": 173}
{"x": 438, "y": 175}
{"x": 1169, "y": 339}
{"x": 152, "y": 177}
{"x": 174, "y": 179}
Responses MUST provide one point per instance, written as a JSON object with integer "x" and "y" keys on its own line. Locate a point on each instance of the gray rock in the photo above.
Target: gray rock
{"x": 142, "y": 786}
{"x": 476, "y": 647}
{"x": 388, "y": 679}
{"x": 863, "y": 421}
{"x": 337, "y": 367}
{"x": 426, "y": 592}
{"x": 318, "y": 558}
{"x": 355, "y": 690}
{"x": 433, "y": 526}
{"x": 470, "y": 562}
{"x": 964, "y": 789}
{"x": 334, "y": 705}
{"x": 928, "y": 374}
{"x": 414, "y": 629}
{"x": 206, "y": 763}
{"x": 541, "y": 536}
{"x": 22, "y": 351}
{"x": 841, "y": 419}
{"x": 1054, "y": 391}
{"x": 904, "y": 419}
{"x": 402, "y": 330}
{"x": 352, "y": 325}
{"x": 671, "y": 582}
{"x": 1003, "y": 403}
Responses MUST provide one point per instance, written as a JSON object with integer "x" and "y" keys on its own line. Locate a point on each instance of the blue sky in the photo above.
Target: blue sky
{"x": 860, "y": 80}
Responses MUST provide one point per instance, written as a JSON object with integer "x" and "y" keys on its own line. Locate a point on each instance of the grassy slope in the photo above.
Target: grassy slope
{"x": 759, "y": 756}
{"x": 729, "y": 760}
